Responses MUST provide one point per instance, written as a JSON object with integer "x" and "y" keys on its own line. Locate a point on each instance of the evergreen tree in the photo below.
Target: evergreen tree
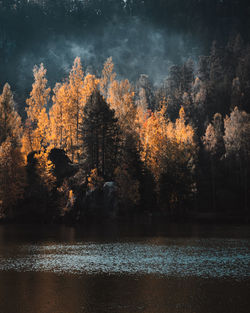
{"x": 99, "y": 135}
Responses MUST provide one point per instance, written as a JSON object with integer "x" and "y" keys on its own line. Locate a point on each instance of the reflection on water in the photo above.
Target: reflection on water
{"x": 180, "y": 258}
{"x": 130, "y": 269}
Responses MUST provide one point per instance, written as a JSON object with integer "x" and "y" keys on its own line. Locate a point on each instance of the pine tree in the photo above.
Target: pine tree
{"x": 99, "y": 135}
{"x": 10, "y": 121}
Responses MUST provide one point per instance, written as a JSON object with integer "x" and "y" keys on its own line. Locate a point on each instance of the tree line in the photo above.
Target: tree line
{"x": 183, "y": 145}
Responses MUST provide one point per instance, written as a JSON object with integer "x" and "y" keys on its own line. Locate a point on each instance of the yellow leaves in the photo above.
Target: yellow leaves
{"x": 164, "y": 142}
{"x": 76, "y": 75}
{"x": 12, "y": 174}
{"x": 121, "y": 99}
{"x": 30, "y": 140}
{"x": 36, "y": 132}
{"x": 57, "y": 115}
{"x": 108, "y": 76}
{"x": 94, "y": 180}
{"x": 39, "y": 95}
{"x": 182, "y": 114}
{"x": 182, "y": 133}
{"x": 45, "y": 168}
{"x": 66, "y": 114}
{"x": 10, "y": 121}
{"x": 90, "y": 84}
{"x": 154, "y": 142}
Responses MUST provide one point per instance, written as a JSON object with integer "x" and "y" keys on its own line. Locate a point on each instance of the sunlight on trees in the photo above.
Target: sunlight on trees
{"x": 151, "y": 142}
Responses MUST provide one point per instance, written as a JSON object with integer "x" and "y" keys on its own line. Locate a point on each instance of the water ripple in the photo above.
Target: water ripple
{"x": 211, "y": 258}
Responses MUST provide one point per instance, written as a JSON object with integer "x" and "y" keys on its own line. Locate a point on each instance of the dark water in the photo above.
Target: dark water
{"x": 125, "y": 268}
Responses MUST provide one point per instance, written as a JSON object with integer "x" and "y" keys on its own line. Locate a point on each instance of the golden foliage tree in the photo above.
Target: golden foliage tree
{"x": 45, "y": 169}
{"x": 39, "y": 95}
{"x": 107, "y": 77}
{"x": 66, "y": 114}
{"x": 121, "y": 99}
{"x": 168, "y": 150}
{"x": 57, "y": 114}
{"x": 37, "y": 131}
{"x": 10, "y": 121}
{"x": 12, "y": 177}
{"x": 75, "y": 105}
{"x": 12, "y": 173}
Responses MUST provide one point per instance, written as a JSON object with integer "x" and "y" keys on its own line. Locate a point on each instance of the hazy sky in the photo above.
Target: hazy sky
{"x": 142, "y": 37}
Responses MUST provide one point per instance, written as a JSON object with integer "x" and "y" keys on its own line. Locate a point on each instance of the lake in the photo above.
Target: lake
{"x": 149, "y": 268}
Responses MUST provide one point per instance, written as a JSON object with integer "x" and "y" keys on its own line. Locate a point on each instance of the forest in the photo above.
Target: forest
{"x": 95, "y": 144}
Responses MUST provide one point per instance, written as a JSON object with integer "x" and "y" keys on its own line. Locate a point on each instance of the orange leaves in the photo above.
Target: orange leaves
{"x": 183, "y": 133}
{"x": 121, "y": 99}
{"x": 57, "y": 116}
{"x": 39, "y": 95}
{"x": 164, "y": 142}
{"x": 12, "y": 175}
{"x": 10, "y": 121}
{"x": 45, "y": 168}
{"x": 36, "y": 133}
{"x": 108, "y": 76}
{"x": 90, "y": 84}
{"x": 94, "y": 180}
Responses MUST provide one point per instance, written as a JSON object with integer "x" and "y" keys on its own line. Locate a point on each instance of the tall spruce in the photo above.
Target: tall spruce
{"x": 99, "y": 135}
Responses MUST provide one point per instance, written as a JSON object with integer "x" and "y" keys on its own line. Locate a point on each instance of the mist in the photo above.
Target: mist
{"x": 136, "y": 48}
{"x": 143, "y": 37}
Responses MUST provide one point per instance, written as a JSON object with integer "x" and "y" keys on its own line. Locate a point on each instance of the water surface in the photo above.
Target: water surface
{"x": 124, "y": 268}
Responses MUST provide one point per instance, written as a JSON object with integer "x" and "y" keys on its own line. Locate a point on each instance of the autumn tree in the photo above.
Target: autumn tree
{"x": 10, "y": 121}
{"x": 12, "y": 177}
{"x": 108, "y": 76}
{"x": 57, "y": 115}
{"x": 144, "y": 93}
{"x": 36, "y": 134}
{"x": 121, "y": 100}
{"x": 12, "y": 173}
{"x": 74, "y": 106}
{"x": 66, "y": 113}
{"x": 236, "y": 138}
{"x": 169, "y": 153}
{"x": 214, "y": 145}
